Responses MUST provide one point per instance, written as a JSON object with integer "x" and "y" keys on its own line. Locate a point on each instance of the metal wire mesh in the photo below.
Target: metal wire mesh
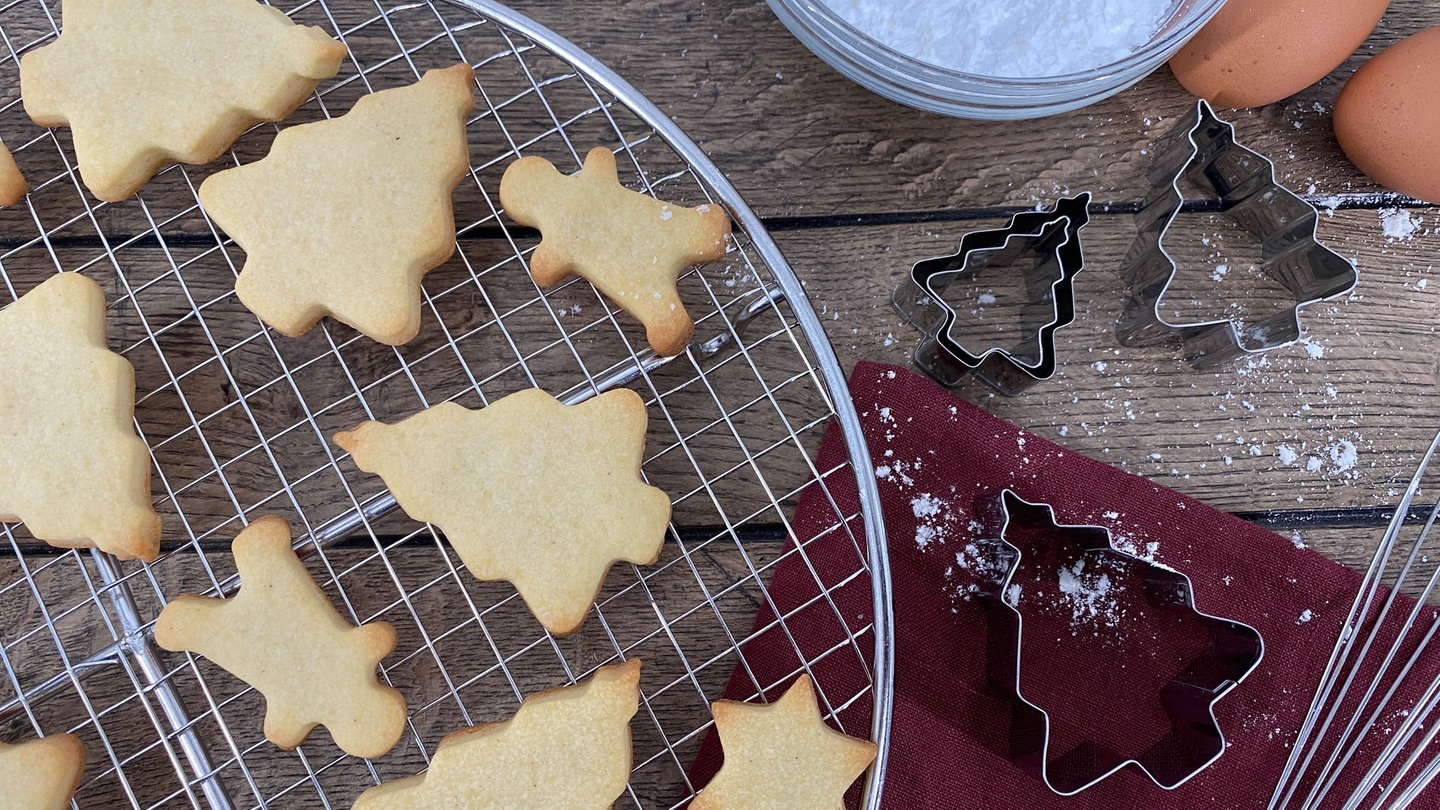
{"x": 239, "y": 423}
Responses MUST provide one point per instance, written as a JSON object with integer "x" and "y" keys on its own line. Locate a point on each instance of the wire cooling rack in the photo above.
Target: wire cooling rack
{"x": 238, "y": 421}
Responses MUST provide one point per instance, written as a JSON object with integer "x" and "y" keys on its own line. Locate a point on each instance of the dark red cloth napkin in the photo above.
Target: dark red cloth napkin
{"x": 1093, "y": 659}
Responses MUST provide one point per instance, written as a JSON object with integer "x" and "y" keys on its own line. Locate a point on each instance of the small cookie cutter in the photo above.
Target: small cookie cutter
{"x": 1046, "y": 246}
{"x": 1202, "y": 148}
{"x": 1194, "y": 741}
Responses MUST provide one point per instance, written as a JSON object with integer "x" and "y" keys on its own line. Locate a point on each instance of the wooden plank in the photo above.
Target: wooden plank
{"x": 1361, "y": 380}
{"x": 800, "y": 140}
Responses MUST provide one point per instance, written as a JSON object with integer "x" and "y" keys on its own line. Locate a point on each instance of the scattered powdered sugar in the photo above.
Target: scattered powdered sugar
{"x": 975, "y": 568}
{"x": 1343, "y": 455}
{"x": 930, "y": 525}
{"x": 1089, "y": 595}
{"x": 1397, "y": 223}
{"x": 1131, "y": 546}
{"x": 1017, "y": 38}
{"x": 925, "y": 506}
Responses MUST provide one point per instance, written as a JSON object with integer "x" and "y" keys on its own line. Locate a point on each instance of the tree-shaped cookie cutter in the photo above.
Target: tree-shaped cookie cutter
{"x": 1045, "y": 245}
{"x": 1232, "y": 651}
{"x": 1202, "y": 149}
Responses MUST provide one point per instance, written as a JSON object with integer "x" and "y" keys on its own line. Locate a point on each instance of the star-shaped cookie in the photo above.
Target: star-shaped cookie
{"x": 630, "y": 246}
{"x": 344, "y": 217}
{"x": 41, "y": 774}
{"x": 782, "y": 755}
{"x": 146, "y": 83}
{"x": 282, "y": 636}
{"x": 545, "y": 495}
{"x": 564, "y": 748}
{"x": 71, "y": 466}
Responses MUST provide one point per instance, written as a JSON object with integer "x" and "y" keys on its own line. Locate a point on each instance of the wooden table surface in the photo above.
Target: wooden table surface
{"x": 1313, "y": 440}
{"x": 856, "y": 188}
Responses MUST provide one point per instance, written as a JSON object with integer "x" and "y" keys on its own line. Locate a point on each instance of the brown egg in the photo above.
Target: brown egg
{"x": 1387, "y": 118}
{"x": 1258, "y": 51}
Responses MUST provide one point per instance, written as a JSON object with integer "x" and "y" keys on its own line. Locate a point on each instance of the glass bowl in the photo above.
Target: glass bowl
{"x": 936, "y": 89}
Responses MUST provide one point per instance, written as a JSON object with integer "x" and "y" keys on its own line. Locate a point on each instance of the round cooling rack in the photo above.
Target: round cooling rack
{"x": 239, "y": 419}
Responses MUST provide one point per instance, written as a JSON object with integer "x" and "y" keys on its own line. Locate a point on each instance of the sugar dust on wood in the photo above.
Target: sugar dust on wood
{"x": 1013, "y": 38}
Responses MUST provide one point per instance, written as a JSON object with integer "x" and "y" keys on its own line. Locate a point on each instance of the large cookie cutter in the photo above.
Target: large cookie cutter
{"x": 1194, "y": 741}
{"x": 1046, "y": 244}
{"x": 1202, "y": 148}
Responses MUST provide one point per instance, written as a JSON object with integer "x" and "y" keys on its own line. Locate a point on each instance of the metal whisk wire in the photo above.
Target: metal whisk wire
{"x": 1369, "y": 641}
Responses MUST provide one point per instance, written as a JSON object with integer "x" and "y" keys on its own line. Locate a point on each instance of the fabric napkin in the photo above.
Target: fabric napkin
{"x": 934, "y": 456}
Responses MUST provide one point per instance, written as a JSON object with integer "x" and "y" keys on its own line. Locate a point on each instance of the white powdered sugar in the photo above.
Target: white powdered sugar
{"x": 1089, "y": 595}
{"x": 1015, "y": 38}
{"x": 929, "y": 522}
{"x": 1397, "y": 223}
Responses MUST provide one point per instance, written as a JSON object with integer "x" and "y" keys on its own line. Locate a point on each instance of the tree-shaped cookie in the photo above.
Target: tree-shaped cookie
{"x": 71, "y": 466}
{"x": 345, "y": 216}
{"x": 282, "y": 636}
{"x": 545, "y": 495}
{"x": 782, "y": 755}
{"x": 41, "y": 774}
{"x": 146, "y": 83}
{"x": 564, "y": 748}
{"x": 630, "y": 246}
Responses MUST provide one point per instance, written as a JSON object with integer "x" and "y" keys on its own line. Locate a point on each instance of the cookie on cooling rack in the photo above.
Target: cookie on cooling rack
{"x": 281, "y": 635}
{"x": 41, "y": 774}
{"x": 345, "y": 217}
{"x": 630, "y": 246}
{"x": 12, "y": 182}
{"x": 71, "y": 467}
{"x": 545, "y": 495}
{"x": 782, "y": 755}
{"x": 146, "y": 83}
{"x": 566, "y": 747}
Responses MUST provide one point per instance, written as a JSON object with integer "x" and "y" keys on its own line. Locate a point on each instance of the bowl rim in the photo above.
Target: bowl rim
{"x": 1186, "y": 18}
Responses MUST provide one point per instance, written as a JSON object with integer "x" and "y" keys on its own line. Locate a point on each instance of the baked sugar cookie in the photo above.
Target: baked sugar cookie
{"x": 344, "y": 217}
{"x": 282, "y": 636}
{"x": 782, "y": 756}
{"x": 630, "y": 246}
{"x": 146, "y": 83}
{"x": 41, "y": 774}
{"x": 71, "y": 467}
{"x": 545, "y": 495}
{"x": 567, "y": 747}
{"x": 12, "y": 182}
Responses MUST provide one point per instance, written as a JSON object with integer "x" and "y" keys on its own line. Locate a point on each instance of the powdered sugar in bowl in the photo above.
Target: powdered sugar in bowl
{"x": 995, "y": 59}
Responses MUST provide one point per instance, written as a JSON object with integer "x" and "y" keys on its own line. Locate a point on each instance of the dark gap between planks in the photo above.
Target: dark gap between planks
{"x": 1349, "y": 517}
{"x": 779, "y": 223}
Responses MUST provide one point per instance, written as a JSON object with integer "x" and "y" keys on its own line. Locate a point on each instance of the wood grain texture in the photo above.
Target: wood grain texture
{"x": 799, "y": 139}
{"x": 855, "y": 189}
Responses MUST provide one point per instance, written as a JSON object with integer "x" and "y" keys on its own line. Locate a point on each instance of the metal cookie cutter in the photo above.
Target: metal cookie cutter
{"x": 1202, "y": 148}
{"x": 1045, "y": 247}
{"x": 1194, "y": 741}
